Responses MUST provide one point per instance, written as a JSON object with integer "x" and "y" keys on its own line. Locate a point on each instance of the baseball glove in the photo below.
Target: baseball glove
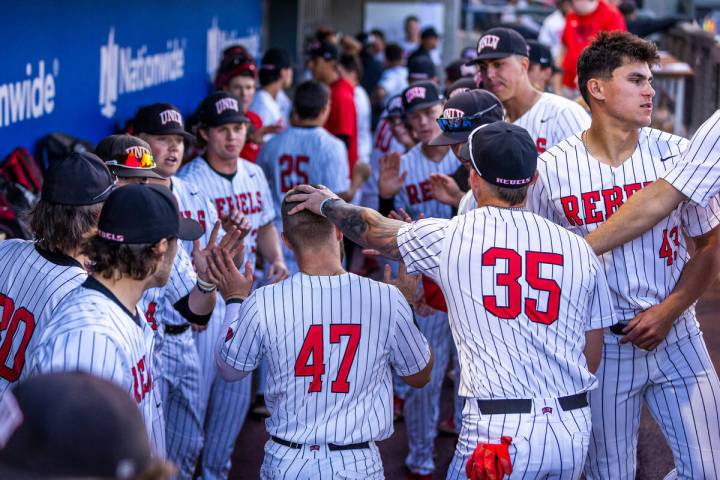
{"x": 490, "y": 461}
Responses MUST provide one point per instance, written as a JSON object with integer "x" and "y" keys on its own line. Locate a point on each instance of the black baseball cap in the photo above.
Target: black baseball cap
{"x": 500, "y": 42}
{"x": 420, "y": 95}
{"x": 421, "y": 67}
{"x": 160, "y": 119}
{"x": 220, "y": 108}
{"x": 144, "y": 214}
{"x": 503, "y": 154}
{"x": 79, "y": 179}
{"x": 127, "y": 156}
{"x": 72, "y": 425}
{"x": 541, "y": 55}
{"x": 458, "y": 69}
{"x": 324, "y": 50}
{"x": 465, "y": 112}
{"x": 275, "y": 59}
{"x": 460, "y": 86}
{"x": 394, "y": 106}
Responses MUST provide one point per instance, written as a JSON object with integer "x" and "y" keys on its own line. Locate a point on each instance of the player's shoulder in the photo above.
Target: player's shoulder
{"x": 193, "y": 167}
{"x": 14, "y": 247}
{"x": 185, "y": 189}
{"x": 662, "y": 145}
{"x": 558, "y": 102}
{"x": 252, "y": 169}
{"x": 561, "y": 232}
{"x": 412, "y": 154}
{"x": 564, "y": 149}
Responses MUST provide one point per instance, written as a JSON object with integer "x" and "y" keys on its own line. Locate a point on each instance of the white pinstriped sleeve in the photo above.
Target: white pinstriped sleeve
{"x": 240, "y": 345}
{"x": 697, "y": 220}
{"x": 697, "y": 174}
{"x": 420, "y": 245}
{"x": 570, "y": 120}
{"x": 409, "y": 350}
{"x": 539, "y": 202}
{"x": 268, "y": 209}
{"x": 602, "y": 312}
{"x": 182, "y": 278}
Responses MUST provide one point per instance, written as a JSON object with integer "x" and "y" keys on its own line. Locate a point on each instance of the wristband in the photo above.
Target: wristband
{"x": 322, "y": 204}
{"x": 205, "y": 287}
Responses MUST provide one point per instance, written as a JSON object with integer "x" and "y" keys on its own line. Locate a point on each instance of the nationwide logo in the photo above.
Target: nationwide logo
{"x": 218, "y": 40}
{"x": 31, "y": 97}
{"x": 123, "y": 70}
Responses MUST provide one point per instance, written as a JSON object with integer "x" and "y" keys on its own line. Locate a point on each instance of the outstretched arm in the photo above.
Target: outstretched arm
{"x": 641, "y": 212}
{"x": 363, "y": 226}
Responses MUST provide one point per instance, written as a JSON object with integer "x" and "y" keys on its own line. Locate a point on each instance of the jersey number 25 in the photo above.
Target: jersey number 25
{"x": 313, "y": 347}
{"x": 293, "y": 172}
{"x": 9, "y": 324}
{"x": 509, "y": 280}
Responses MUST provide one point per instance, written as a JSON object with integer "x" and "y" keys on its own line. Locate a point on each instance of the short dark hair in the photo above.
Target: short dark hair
{"x": 62, "y": 228}
{"x": 304, "y": 228}
{"x": 310, "y": 98}
{"x": 114, "y": 260}
{"x": 512, "y": 196}
{"x": 393, "y": 52}
{"x": 378, "y": 33}
{"x": 411, "y": 18}
{"x": 351, "y": 63}
{"x": 609, "y": 51}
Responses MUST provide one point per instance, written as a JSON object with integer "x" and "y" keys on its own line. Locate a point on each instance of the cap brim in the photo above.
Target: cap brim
{"x": 189, "y": 137}
{"x": 125, "y": 172}
{"x": 420, "y": 106}
{"x": 234, "y": 119}
{"x": 490, "y": 56}
{"x": 189, "y": 229}
{"x": 450, "y": 138}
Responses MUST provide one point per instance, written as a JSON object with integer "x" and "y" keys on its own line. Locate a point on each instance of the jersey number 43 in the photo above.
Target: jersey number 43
{"x": 310, "y": 360}
{"x": 9, "y": 324}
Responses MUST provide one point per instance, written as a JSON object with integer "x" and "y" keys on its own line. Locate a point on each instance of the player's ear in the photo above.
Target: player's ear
{"x": 161, "y": 247}
{"x": 203, "y": 134}
{"x": 596, "y": 89}
{"x": 286, "y": 241}
{"x": 338, "y": 234}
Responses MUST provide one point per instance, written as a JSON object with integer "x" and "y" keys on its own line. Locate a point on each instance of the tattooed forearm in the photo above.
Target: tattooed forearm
{"x": 365, "y": 226}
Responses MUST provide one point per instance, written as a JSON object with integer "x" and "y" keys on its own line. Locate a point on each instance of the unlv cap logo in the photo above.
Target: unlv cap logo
{"x": 415, "y": 92}
{"x": 453, "y": 113}
{"x": 138, "y": 151}
{"x": 488, "y": 41}
{"x": 226, "y": 104}
{"x": 170, "y": 116}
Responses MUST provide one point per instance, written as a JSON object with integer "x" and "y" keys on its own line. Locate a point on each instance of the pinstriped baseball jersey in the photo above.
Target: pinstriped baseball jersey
{"x": 196, "y": 204}
{"x": 32, "y": 284}
{"x": 304, "y": 155}
{"x": 552, "y": 119}
{"x": 416, "y": 195}
{"x": 579, "y": 192}
{"x": 248, "y": 191}
{"x": 697, "y": 175}
{"x": 521, "y": 292}
{"x": 330, "y": 342}
{"x": 383, "y": 143}
{"x": 157, "y": 303}
{"x": 92, "y": 331}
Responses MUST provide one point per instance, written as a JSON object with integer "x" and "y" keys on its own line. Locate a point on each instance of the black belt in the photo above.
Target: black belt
{"x": 176, "y": 329}
{"x": 331, "y": 446}
{"x": 617, "y": 329}
{"x": 505, "y": 406}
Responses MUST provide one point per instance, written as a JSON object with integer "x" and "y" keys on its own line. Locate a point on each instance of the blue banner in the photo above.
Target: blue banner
{"x": 84, "y": 67}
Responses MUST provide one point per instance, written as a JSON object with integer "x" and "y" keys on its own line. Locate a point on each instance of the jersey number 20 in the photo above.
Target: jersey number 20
{"x": 313, "y": 347}
{"x": 9, "y": 324}
{"x": 509, "y": 280}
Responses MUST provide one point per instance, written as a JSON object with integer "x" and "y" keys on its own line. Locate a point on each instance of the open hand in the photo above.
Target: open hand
{"x": 224, "y": 273}
{"x": 309, "y": 198}
{"x": 391, "y": 180}
{"x": 445, "y": 189}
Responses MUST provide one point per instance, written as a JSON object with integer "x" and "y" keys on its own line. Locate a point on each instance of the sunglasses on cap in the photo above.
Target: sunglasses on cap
{"x": 464, "y": 123}
{"x": 134, "y": 158}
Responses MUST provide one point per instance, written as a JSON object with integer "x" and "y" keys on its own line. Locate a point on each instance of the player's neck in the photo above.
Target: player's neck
{"x": 307, "y": 122}
{"x": 127, "y": 290}
{"x": 522, "y": 101}
{"x": 332, "y": 77}
{"x": 226, "y": 167}
{"x": 609, "y": 141}
{"x": 434, "y": 153}
{"x": 324, "y": 261}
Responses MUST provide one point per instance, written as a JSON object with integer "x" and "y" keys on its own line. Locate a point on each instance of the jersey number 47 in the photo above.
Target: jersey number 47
{"x": 310, "y": 360}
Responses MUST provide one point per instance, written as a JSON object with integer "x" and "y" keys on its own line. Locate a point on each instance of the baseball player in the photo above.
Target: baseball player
{"x": 99, "y": 328}
{"x": 527, "y": 301}
{"x": 307, "y": 153}
{"x": 655, "y": 352}
{"x": 695, "y": 177}
{"x": 161, "y": 126}
{"x": 330, "y": 338}
{"x": 411, "y": 190}
{"x": 233, "y": 184}
{"x": 503, "y": 56}
{"x": 36, "y": 276}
